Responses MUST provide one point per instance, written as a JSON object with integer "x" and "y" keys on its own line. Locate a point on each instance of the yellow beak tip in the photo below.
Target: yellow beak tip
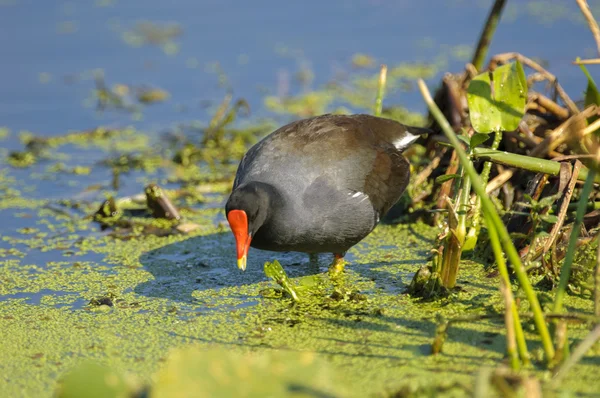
{"x": 241, "y": 263}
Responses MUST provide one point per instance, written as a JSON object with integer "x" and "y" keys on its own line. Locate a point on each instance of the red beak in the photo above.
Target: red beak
{"x": 238, "y": 222}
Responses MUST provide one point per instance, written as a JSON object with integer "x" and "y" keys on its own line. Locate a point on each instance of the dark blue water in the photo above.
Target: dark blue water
{"x": 246, "y": 38}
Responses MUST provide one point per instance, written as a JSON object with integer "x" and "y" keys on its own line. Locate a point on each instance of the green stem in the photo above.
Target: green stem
{"x": 533, "y": 164}
{"x": 521, "y": 343}
{"x": 473, "y": 234}
{"x": 511, "y": 322}
{"x": 456, "y": 238}
{"x": 595, "y": 205}
{"x": 519, "y": 335}
{"x": 487, "y": 166}
{"x": 463, "y": 202}
{"x": 597, "y": 282}
{"x": 490, "y": 210}
{"x": 487, "y": 34}
{"x": 380, "y": 90}
{"x": 565, "y": 271}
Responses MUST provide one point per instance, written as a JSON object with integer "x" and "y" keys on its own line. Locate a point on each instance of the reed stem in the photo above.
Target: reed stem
{"x": 380, "y": 90}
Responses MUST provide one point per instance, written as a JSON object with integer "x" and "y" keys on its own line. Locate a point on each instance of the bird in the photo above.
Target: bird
{"x": 319, "y": 185}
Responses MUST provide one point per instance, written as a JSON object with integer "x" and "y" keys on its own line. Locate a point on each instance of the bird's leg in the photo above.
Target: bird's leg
{"x": 313, "y": 261}
{"x": 337, "y": 266}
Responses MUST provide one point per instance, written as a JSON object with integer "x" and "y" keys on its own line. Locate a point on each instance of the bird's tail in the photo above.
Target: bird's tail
{"x": 410, "y": 135}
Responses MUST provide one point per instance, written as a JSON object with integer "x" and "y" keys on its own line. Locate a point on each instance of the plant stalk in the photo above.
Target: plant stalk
{"x": 487, "y": 34}
{"x": 380, "y": 90}
{"x": 490, "y": 210}
{"x": 587, "y": 13}
{"x": 520, "y": 336}
{"x": 513, "y": 320}
{"x": 473, "y": 234}
{"x": 565, "y": 271}
{"x": 597, "y": 282}
{"x": 456, "y": 236}
{"x": 535, "y": 165}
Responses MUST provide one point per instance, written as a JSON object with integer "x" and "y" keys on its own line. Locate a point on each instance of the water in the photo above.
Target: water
{"x": 52, "y": 40}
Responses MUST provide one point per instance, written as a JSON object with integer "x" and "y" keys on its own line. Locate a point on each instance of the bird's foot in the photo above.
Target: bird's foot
{"x": 337, "y": 266}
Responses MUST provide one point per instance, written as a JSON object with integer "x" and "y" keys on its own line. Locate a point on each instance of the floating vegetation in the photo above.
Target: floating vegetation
{"x": 357, "y": 91}
{"x": 151, "y": 95}
{"x": 122, "y": 97}
{"x": 157, "y": 34}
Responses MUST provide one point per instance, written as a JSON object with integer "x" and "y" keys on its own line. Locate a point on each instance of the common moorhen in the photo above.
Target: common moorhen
{"x": 319, "y": 185}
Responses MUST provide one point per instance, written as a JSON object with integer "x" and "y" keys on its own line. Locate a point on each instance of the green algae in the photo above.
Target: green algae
{"x": 273, "y": 374}
{"x": 94, "y": 381}
{"x": 170, "y": 292}
{"x": 152, "y": 33}
{"x": 4, "y": 133}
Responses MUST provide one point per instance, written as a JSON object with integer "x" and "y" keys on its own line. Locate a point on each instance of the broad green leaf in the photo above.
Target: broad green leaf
{"x": 446, "y": 177}
{"x": 497, "y": 99}
{"x": 478, "y": 139}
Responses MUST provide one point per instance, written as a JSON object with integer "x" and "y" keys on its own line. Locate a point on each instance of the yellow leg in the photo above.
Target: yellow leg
{"x": 337, "y": 266}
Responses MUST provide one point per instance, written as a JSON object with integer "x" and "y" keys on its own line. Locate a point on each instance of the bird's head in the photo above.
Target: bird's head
{"x": 247, "y": 210}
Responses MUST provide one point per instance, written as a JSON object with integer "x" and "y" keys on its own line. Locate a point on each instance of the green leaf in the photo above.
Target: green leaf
{"x": 449, "y": 145}
{"x": 478, "y": 139}
{"x": 547, "y": 201}
{"x": 549, "y": 218}
{"x": 592, "y": 96}
{"x": 275, "y": 271}
{"x": 446, "y": 177}
{"x": 497, "y": 99}
{"x": 464, "y": 139}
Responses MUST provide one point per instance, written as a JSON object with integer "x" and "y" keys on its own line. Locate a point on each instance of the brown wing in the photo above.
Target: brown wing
{"x": 388, "y": 178}
{"x": 358, "y": 153}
